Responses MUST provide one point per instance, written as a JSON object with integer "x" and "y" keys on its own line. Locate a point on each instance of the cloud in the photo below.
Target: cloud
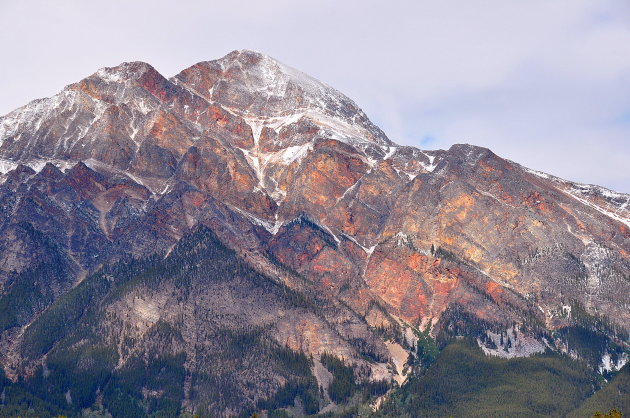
{"x": 541, "y": 82}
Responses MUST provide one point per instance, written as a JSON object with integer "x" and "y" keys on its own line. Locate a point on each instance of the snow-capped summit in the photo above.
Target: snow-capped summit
{"x": 257, "y": 86}
{"x": 124, "y": 72}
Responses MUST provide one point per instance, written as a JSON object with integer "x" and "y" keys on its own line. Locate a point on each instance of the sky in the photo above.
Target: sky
{"x": 545, "y": 83}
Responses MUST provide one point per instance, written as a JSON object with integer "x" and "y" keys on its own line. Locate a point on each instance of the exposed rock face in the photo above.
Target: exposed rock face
{"x": 294, "y": 177}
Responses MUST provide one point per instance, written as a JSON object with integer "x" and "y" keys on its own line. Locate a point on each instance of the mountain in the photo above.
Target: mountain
{"x": 241, "y": 234}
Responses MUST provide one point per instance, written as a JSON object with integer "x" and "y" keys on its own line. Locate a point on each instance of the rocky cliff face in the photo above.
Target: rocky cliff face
{"x": 291, "y": 175}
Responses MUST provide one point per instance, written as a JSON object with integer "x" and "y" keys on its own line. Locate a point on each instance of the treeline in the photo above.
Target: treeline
{"x": 81, "y": 366}
{"x": 464, "y": 382}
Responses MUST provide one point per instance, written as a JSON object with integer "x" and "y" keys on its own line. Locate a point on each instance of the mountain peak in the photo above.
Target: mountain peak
{"x": 267, "y": 73}
{"x": 257, "y": 86}
{"x": 126, "y": 71}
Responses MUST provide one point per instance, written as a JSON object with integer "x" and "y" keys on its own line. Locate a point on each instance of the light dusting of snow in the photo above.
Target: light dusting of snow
{"x": 410, "y": 176}
{"x": 122, "y": 73}
{"x": 136, "y": 179}
{"x": 28, "y": 117}
{"x": 339, "y": 128}
{"x": 109, "y": 76}
{"x": 259, "y": 160}
{"x": 610, "y": 203}
{"x": 402, "y": 239}
{"x": 288, "y": 155}
{"x": 348, "y": 190}
{"x": 277, "y": 123}
{"x": 620, "y": 213}
{"x": 566, "y": 311}
{"x": 428, "y": 167}
{"x": 143, "y": 107}
{"x": 253, "y": 156}
{"x": 36, "y": 164}
{"x": 594, "y": 257}
{"x": 538, "y": 173}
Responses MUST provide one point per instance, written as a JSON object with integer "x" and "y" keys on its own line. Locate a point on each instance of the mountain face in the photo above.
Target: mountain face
{"x": 242, "y": 216}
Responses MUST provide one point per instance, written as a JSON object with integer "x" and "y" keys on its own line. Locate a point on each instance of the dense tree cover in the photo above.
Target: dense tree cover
{"x": 615, "y": 394}
{"x": 464, "y": 382}
{"x": 81, "y": 367}
{"x": 305, "y": 390}
{"x": 589, "y": 335}
{"x": 426, "y": 347}
{"x": 344, "y": 384}
{"x": 78, "y": 305}
{"x": 18, "y": 401}
{"x": 123, "y": 394}
{"x": 30, "y": 291}
{"x": 80, "y": 370}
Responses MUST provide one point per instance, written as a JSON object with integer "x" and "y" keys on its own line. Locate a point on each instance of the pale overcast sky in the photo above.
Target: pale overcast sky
{"x": 545, "y": 83}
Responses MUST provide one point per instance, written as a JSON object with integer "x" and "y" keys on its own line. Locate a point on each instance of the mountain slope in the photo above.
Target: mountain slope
{"x": 394, "y": 244}
{"x": 464, "y": 382}
{"x": 201, "y": 318}
{"x": 615, "y": 395}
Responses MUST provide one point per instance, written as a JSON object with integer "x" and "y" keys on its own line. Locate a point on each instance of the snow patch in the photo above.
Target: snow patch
{"x": 368, "y": 250}
{"x": 539, "y": 174}
{"x": 271, "y": 227}
{"x": 7, "y": 165}
{"x": 608, "y": 365}
{"x": 431, "y": 166}
{"x": 337, "y": 240}
{"x": 390, "y": 152}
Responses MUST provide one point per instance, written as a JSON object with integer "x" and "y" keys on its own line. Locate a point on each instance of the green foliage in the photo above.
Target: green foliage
{"x": 580, "y": 316}
{"x": 30, "y": 292}
{"x": 304, "y": 389}
{"x": 78, "y": 372}
{"x": 427, "y": 349}
{"x": 464, "y": 382}
{"x": 590, "y": 344}
{"x": 65, "y": 314}
{"x": 293, "y": 361}
{"x": 343, "y": 384}
{"x": 18, "y": 401}
{"x": 615, "y": 394}
{"x": 457, "y": 321}
{"x": 278, "y": 413}
{"x": 161, "y": 375}
{"x": 22, "y": 297}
